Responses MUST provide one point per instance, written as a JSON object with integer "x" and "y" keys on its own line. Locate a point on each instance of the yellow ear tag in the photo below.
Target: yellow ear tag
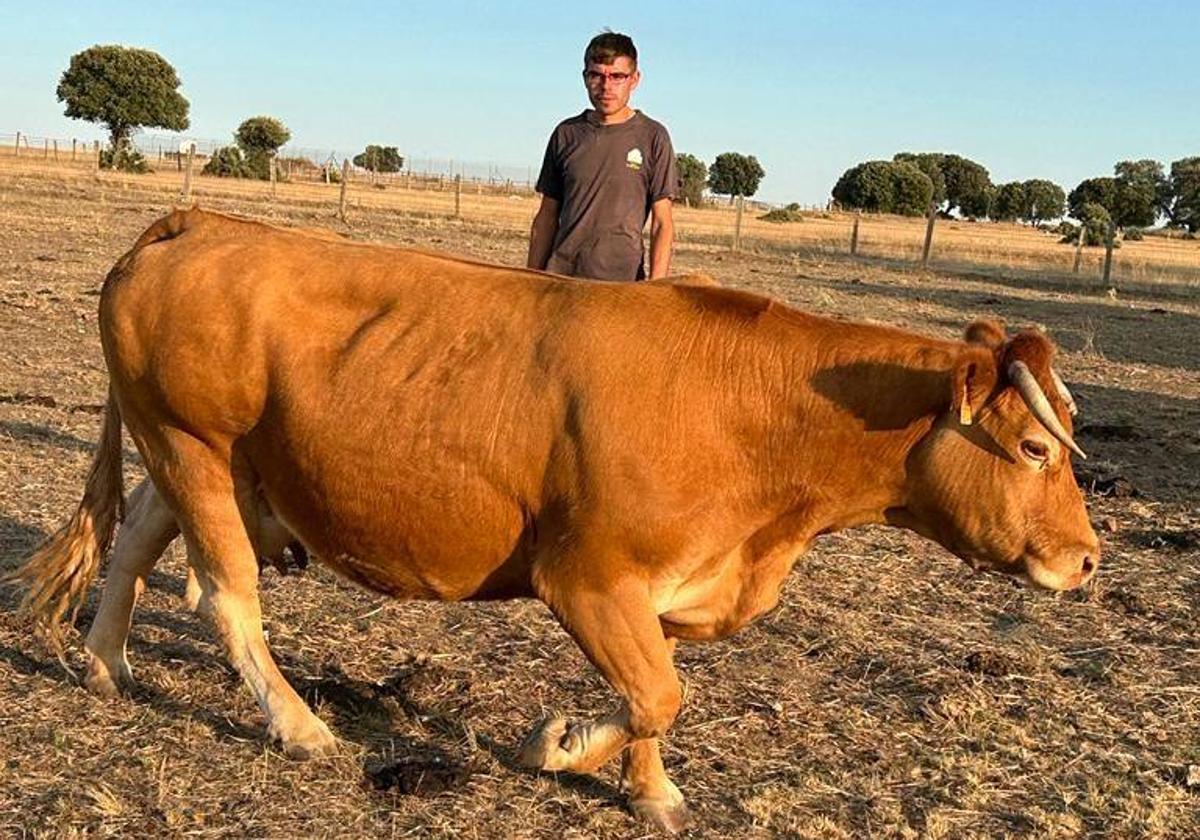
{"x": 964, "y": 413}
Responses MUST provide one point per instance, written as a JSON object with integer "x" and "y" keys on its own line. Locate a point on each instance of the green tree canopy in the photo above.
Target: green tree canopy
{"x": 884, "y": 186}
{"x": 1142, "y": 194}
{"x": 979, "y": 205}
{"x": 735, "y": 174}
{"x": 693, "y": 175}
{"x": 1009, "y": 202}
{"x": 1102, "y": 191}
{"x": 1041, "y": 201}
{"x": 967, "y": 183}
{"x": 380, "y": 159}
{"x": 124, "y": 89}
{"x": 1184, "y": 208}
{"x": 261, "y": 134}
{"x": 958, "y": 182}
{"x": 931, "y": 164}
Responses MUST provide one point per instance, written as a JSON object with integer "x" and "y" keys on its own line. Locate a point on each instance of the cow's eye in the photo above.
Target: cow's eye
{"x": 1035, "y": 451}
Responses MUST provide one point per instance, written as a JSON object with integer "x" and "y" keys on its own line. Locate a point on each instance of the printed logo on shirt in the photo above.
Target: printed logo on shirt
{"x": 634, "y": 159}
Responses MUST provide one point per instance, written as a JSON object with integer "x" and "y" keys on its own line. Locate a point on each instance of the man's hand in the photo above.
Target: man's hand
{"x": 662, "y": 238}
{"x": 541, "y": 236}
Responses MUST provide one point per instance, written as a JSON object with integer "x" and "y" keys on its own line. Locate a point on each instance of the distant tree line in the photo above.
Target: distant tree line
{"x": 1137, "y": 196}
{"x": 126, "y": 89}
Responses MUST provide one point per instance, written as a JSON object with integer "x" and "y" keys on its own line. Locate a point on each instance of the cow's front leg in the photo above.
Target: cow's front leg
{"x": 609, "y": 613}
{"x": 652, "y": 795}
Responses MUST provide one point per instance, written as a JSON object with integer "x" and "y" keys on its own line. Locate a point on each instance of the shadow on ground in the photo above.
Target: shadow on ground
{"x": 1145, "y": 336}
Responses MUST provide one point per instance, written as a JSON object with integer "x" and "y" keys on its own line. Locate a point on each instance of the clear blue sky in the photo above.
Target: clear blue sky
{"x": 1030, "y": 90}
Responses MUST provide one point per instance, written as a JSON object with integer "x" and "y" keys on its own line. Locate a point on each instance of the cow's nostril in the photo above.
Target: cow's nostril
{"x": 1089, "y": 565}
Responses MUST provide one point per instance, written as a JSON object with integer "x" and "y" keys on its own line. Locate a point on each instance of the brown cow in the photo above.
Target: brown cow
{"x": 647, "y": 459}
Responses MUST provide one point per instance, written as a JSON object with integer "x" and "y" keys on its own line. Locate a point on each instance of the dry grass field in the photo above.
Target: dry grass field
{"x": 892, "y": 693}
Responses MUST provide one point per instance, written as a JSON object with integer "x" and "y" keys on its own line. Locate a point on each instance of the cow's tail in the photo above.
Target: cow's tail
{"x": 60, "y": 571}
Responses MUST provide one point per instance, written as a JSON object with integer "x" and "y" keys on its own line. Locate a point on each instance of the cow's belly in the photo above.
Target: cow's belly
{"x": 434, "y": 537}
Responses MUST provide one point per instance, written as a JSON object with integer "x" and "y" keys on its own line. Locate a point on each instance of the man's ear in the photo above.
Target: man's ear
{"x": 972, "y": 381}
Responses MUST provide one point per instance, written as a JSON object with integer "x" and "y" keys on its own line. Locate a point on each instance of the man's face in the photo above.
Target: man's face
{"x": 610, "y": 85}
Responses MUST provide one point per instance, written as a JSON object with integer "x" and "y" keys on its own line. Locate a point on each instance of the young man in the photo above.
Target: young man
{"x": 604, "y": 173}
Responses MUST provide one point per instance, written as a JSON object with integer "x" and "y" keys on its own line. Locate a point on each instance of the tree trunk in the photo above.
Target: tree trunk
{"x": 118, "y": 140}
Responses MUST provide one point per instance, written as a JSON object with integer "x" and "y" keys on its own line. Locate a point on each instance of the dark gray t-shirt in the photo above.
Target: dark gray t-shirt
{"x": 605, "y": 178}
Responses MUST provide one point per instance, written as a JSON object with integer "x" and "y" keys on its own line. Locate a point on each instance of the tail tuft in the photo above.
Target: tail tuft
{"x": 62, "y": 569}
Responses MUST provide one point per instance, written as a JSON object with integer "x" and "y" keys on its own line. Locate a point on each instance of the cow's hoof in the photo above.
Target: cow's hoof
{"x": 312, "y": 740}
{"x": 542, "y": 748}
{"x": 667, "y": 815}
{"x": 107, "y": 682}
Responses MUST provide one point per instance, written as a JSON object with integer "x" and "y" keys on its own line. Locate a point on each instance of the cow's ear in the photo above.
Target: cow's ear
{"x": 988, "y": 333}
{"x": 972, "y": 381}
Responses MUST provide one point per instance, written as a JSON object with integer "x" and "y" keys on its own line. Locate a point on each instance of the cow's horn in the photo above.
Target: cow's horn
{"x": 1064, "y": 393}
{"x": 1039, "y": 406}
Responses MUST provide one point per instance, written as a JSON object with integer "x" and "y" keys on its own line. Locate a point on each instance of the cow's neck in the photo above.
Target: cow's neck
{"x": 859, "y": 399}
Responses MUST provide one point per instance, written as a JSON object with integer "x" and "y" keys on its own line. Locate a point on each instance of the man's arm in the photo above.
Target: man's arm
{"x": 541, "y": 236}
{"x": 662, "y": 238}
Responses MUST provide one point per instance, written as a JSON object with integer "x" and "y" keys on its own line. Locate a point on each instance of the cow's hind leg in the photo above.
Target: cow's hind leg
{"x": 610, "y": 615}
{"x": 148, "y": 529}
{"x": 273, "y": 540}
{"x": 219, "y": 549}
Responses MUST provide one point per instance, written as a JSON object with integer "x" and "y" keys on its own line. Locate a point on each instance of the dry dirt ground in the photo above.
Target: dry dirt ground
{"x": 892, "y": 694}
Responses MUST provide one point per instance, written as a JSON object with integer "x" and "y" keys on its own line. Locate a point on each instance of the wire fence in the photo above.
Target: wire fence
{"x": 300, "y": 162}
{"x": 447, "y": 188}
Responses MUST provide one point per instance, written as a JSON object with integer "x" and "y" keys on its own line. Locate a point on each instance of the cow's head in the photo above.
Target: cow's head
{"x": 992, "y": 481}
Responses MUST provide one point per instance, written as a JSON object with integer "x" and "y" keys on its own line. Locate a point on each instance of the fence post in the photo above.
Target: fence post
{"x": 929, "y": 234}
{"x": 737, "y": 224}
{"x": 458, "y": 196}
{"x": 273, "y": 165}
{"x": 17, "y": 146}
{"x": 854, "y": 233}
{"x": 1079, "y": 247}
{"x": 74, "y": 146}
{"x": 187, "y": 173}
{"x": 96, "y": 158}
{"x": 342, "y": 195}
{"x": 56, "y": 150}
{"x": 46, "y": 148}
{"x": 1108, "y": 249}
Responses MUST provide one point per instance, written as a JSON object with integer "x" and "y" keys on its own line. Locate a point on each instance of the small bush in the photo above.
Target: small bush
{"x": 227, "y": 162}
{"x": 258, "y": 164}
{"x": 125, "y": 159}
{"x": 786, "y": 214}
{"x": 1095, "y": 221}
{"x": 1134, "y": 234}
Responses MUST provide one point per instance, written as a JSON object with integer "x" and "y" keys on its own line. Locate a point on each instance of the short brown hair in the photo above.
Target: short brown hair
{"x": 607, "y": 47}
